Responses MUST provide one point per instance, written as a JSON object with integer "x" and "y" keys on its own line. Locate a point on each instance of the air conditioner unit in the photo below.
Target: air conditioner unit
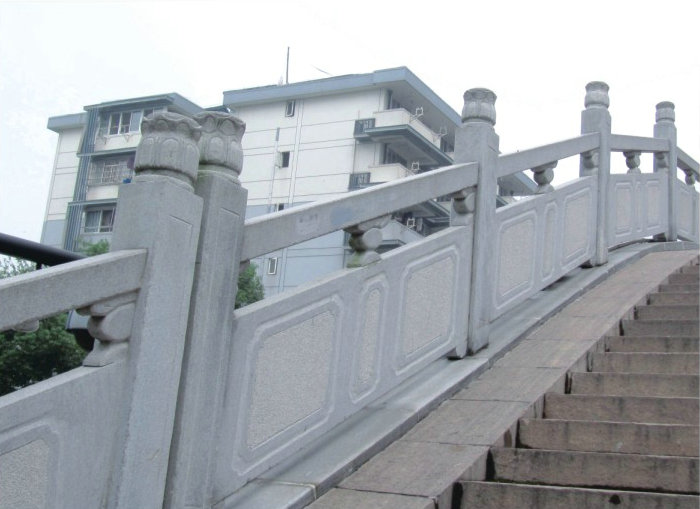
{"x": 415, "y": 166}
{"x": 411, "y": 223}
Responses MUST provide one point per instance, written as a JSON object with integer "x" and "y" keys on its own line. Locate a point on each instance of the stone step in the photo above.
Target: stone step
{"x": 683, "y": 278}
{"x": 667, "y": 312}
{"x": 635, "y": 384}
{"x": 666, "y": 474}
{"x": 679, "y": 288}
{"x": 670, "y": 344}
{"x": 690, "y": 269}
{"x": 624, "y": 362}
{"x": 659, "y": 328}
{"x": 622, "y": 409}
{"x": 669, "y": 298}
{"x": 490, "y": 495}
{"x": 600, "y": 436}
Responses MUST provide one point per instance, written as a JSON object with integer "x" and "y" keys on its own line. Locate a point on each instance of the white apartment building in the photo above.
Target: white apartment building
{"x": 304, "y": 141}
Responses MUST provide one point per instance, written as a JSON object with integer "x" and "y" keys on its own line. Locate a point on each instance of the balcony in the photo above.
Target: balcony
{"x": 405, "y": 134}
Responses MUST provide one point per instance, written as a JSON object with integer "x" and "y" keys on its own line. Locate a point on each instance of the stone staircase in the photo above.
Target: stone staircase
{"x": 625, "y": 434}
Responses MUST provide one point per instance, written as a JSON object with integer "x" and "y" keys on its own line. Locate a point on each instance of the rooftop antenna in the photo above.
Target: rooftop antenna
{"x": 286, "y": 80}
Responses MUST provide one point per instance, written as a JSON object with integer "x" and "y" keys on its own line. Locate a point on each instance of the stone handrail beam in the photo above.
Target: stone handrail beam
{"x": 72, "y": 285}
{"x": 624, "y": 143}
{"x": 509, "y": 164}
{"x": 687, "y": 163}
{"x": 268, "y": 233}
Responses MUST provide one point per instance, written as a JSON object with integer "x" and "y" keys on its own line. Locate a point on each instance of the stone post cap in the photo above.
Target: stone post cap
{"x": 666, "y": 112}
{"x": 168, "y": 149}
{"x": 220, "y": 144}
{"x": 597, "y": 95}
{"x": 479, "y": 106}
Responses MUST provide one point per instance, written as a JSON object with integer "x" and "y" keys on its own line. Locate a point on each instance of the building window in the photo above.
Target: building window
{"x": 99, "y": 220}
{"x": 124, "y": 122}
{"x": 359, "y": 180}
{"x": 391, "y": 157}
{"x": 446, "y": 146}
{"x": 289, "y": 108}
{"x": 109, "y": 171}
{"x": 272, "y": 266}
{"x": 284, "y": 159}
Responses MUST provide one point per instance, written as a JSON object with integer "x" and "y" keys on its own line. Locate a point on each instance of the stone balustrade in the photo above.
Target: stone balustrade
{"x": 184, "y": 401}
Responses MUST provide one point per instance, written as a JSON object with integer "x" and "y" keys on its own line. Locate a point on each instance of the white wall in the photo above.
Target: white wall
{"x": 65, "y": 171}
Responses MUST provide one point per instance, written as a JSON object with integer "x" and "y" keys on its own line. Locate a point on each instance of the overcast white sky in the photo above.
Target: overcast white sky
{"x": 537, "y": 55}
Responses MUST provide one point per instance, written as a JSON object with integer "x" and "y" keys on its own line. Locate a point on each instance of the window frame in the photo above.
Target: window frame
{"x": 104, "y": 223}
{"x": 272, "y": 265}
{"x": 125, "y": 122}
{"x": 290, "y": 108}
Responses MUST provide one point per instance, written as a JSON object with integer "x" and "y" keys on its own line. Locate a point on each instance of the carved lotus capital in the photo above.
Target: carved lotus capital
{"x": 666, "y": 112}
{"x": 479, "y": 106}
{"x": 597, "y": 95}
{"x": 220, "y": 143}
{"x": 168, "y": 148}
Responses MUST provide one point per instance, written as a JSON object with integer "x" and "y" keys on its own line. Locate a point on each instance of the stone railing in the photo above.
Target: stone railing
{"x": 184, "y": 400}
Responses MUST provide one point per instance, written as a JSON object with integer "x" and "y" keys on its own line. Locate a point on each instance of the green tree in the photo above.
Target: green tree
{"x": 28, "y": 357}
{"x": 250, "y": 289}
{"x": 94, "y": 248}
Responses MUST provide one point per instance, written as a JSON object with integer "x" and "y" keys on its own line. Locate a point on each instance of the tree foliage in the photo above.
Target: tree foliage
{"x": 28, "y": 357}
{"x": 94, "y": 248}
{"x": 250, "y": 289}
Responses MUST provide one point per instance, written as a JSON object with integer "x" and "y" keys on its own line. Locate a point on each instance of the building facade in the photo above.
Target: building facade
{"x": 304, "y": 141}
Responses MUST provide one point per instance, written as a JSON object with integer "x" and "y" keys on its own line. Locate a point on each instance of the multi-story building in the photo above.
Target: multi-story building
{"x": 94, "y": 154}
{"x": 304, "y": 141}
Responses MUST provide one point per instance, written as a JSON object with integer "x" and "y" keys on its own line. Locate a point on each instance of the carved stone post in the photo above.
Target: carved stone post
{"x": 665, "y": 127}
{"x": 158, "y": 212}
{"x": 476, "y": 141}
{"x": 211, "y": 312}
{"x": 596, "y": 119}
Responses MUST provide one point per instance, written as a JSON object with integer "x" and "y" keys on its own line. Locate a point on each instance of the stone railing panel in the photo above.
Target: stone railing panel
{"x": 688, "y": 211}
{"x": 637, "y": 207}
{"x": 56, "y": 439}
{"x": 539, "y": 239}
{"x": 305, "y": 360}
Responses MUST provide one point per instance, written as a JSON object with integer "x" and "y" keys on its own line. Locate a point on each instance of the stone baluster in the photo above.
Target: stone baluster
{"x": 689, "y": 177}
{"x": 596, "y": 119}
{"x": 632, "y": 161}
{"x": 666, "y": 162}
{"x": 158, "y": 211}
{"x": 211, "y": 323}
{"x": 463, "y": 204}
{"x": 476, "y": 141}
{"x": 365, "y": 238}
{"x": 543, "y": 175}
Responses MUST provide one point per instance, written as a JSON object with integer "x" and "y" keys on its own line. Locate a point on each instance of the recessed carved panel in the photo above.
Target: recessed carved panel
{"x": 365, "y": 373}
{"x": 516, "y": 257}
{"x": 624, "y": 207}
{"x": 24, "y": 476}
{"x": 577, "y": 225}
{"x": 653, "y": 204}
{"x": 427, "y": 304}
{"x": 548, "y": 249}
{"x": 291, "y": 373}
